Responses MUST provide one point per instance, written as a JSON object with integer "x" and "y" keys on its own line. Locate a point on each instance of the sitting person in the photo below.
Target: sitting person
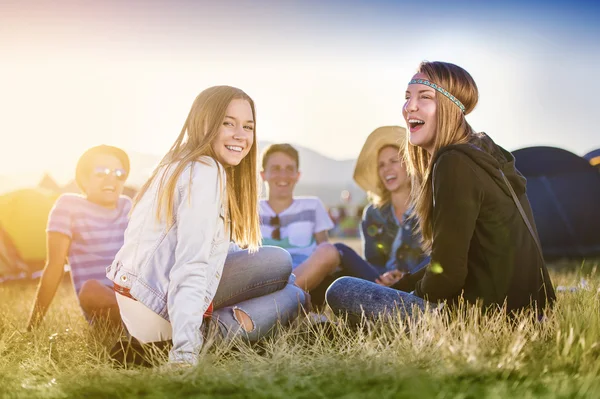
{"x": 472, "y": 208}
{"x": 89, "y": 230}
{"x": 178, "y": 267}
{"x": 390, "y": 246}
{"x": 298, "y": 224}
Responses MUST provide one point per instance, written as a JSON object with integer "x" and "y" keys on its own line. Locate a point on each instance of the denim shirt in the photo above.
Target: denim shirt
{"x": 379, "y": 230}
{"x": 175, "y": 272}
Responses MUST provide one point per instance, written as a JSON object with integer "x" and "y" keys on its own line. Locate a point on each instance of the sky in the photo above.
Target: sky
{"x": 323, "y": 74}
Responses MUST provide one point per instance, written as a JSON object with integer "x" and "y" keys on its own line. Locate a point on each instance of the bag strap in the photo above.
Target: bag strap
{"x": 523, "y": 215}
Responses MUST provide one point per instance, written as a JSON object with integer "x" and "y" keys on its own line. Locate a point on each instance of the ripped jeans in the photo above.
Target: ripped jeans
{"x": 261, "y": 286}
{"x": 257, "y": 287}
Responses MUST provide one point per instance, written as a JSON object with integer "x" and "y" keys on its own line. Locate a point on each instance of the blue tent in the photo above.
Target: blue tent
{"x": 593, "y": 157}
{"x": 564, "y": 191}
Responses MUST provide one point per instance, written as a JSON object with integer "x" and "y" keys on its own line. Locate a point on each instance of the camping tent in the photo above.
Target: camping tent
{"x": 23, "y": 215}
{"x": 564, "y": 191}
{"x": 593, "y": 157}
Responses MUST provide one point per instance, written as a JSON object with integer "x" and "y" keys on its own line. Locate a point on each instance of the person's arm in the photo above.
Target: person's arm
{"x": 457, "y": 196}
{"x": 57, "y": 250}
{"x": 321, "y": 237}
{"x": 197, "y": 215}
{"x": 323, "y": 223}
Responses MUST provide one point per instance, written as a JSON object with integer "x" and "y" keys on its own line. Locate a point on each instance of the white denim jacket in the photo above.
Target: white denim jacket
{"x": 175, "y": 272}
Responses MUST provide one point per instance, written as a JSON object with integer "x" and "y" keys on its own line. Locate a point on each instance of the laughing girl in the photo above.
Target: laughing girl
{"x": 472, "y": 207}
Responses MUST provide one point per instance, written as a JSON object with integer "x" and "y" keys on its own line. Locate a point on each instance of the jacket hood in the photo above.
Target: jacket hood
{"x": 492, "y": 158}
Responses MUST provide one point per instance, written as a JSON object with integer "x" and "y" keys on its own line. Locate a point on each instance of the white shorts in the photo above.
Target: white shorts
{"x": 141, "y": 322}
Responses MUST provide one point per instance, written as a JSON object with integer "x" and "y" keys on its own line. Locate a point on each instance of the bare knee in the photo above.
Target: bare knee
{"x": 333, "y": 253}
{"x": 87, "y": 292}
{"x": 328, "y": 254}
{"x": 93, "y": 294}
{"x": 243, "y": 319}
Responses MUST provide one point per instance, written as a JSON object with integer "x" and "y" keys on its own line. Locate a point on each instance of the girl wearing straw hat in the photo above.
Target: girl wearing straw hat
{"x": 389, "y": 245}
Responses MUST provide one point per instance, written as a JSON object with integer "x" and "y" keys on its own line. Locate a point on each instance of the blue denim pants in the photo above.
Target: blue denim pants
{"x": 352, "y": 264}
{"x": 262, "y": 286}
{"x": 259, "y": 285}
{"x": 356, "y": 297}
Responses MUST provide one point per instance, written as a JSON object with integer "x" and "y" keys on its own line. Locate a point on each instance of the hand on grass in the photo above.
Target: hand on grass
{"x": 390, "y": 278}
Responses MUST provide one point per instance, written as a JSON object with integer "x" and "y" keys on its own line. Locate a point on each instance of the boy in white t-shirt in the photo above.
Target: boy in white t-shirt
{"x": 298, "y": 224}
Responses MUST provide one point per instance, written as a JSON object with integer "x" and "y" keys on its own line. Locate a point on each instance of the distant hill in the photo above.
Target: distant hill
{"x": 323, "y": 177}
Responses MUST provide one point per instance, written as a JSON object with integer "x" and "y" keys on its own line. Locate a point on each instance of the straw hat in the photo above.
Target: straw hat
{"x": 365, "y": 172}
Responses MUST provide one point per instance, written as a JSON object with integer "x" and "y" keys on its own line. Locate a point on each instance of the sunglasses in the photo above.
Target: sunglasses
{"x": 102, "y": 172}
{"x": 276, "y": 234}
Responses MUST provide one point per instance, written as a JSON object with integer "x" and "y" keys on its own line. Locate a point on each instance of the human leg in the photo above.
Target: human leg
{"x": 256, "y": 318}
{"x": 99, "y": 301}
{"x": 149, "y": 335}
{"x": 350, "y": 264}
{"x": 142, "y": 323}
{"x": 248, "y": 275}
{"x": 355, "y": 297}
{"x": 323, "y": 261}
{"x": 354, "y": 265}
{"x": 256, "y": 292}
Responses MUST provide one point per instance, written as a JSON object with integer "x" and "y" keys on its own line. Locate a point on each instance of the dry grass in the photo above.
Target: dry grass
{"x": 466, "y": 356}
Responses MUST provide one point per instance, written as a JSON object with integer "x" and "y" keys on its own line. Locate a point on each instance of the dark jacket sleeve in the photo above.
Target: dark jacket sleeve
{"x": 457, "y": 196}
{"x": 372, "y": 253}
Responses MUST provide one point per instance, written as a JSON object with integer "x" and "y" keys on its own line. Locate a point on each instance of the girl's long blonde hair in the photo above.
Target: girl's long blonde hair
{"x": 199, "y": 131}
{"x": 452, "y": 128}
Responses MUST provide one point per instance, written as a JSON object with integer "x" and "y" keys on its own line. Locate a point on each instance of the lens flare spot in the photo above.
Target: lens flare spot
{"x": 436, "y": 268}
{"x": 372, "y": 230}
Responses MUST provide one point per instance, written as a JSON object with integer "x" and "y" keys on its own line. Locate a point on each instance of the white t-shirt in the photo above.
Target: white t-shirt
{"x": 298, "y": 225}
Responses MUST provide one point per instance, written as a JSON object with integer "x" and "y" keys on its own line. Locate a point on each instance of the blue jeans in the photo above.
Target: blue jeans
{"x": 355, "y": 266}
{"x": 261, "y": 286}
{"x": 355, "y": 297}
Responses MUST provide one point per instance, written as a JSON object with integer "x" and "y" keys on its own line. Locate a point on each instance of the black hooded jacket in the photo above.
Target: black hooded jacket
{"x": 482, "y": 248}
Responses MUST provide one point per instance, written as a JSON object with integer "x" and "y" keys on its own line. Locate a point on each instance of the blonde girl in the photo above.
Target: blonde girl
{"x": 177, "y": 269}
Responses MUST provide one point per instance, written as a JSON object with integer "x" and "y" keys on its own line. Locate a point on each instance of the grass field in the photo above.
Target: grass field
{"x": 436, "y": 357}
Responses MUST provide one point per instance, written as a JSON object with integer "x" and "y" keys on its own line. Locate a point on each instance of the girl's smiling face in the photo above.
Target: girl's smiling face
{"x": 391, "y": 169}
{"x": 236, "y": 135}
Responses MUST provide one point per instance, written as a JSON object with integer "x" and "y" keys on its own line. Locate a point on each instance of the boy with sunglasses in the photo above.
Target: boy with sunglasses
{"x": 297, "y": 224}
{"x": 89, "y": 230}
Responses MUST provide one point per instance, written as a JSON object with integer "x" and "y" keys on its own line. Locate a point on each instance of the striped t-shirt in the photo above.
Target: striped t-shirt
{"x": 298, "y": 225}
{"x": 96, "y": 234}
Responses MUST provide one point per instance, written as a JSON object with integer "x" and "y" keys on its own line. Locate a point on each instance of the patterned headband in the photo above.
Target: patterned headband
{"x": 440, "y": 89}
